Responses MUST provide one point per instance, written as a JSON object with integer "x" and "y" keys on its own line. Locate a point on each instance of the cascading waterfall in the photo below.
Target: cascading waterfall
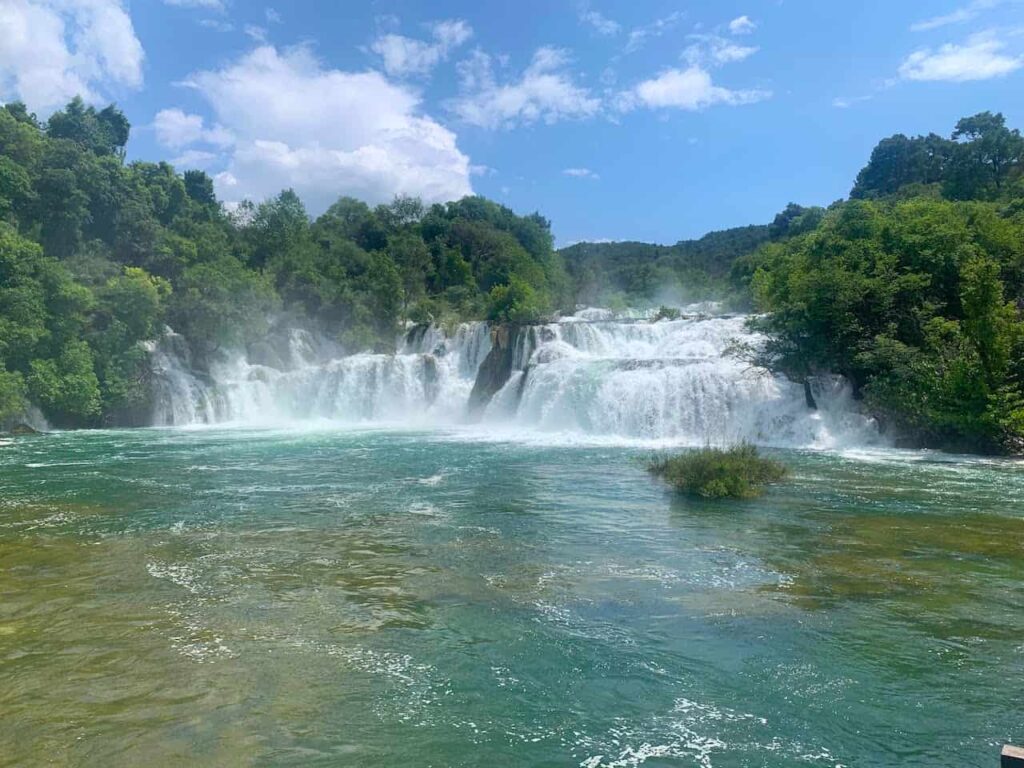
{"x": 595, "y": 373}
{"x": 669, "y": 379}
{"x": 302, "y": 378}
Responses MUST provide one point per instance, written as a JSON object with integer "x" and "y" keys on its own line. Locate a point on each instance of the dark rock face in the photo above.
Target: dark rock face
{"x": 414, "y": 336}
{"x": 430, "y": 378}
{"x": 809, "y": 395}
{"x": 497, "y": 367}
{"x": 20, "y": 430}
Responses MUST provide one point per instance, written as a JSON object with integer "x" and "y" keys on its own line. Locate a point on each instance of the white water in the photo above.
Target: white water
{"x": 427, "y": 382}
{"x": 593, "y": 375}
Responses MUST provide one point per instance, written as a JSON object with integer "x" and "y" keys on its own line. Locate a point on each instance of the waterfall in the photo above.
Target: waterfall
{"x": 302, "y": 377}
{"x": 595, "y": 373}
{"x": 669, "y": 380}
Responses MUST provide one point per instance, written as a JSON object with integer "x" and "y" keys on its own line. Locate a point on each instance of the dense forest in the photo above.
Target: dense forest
{"x": 630, "y": 272}
{"x": 913, "y": 288}
{"x": 98, "y": 256}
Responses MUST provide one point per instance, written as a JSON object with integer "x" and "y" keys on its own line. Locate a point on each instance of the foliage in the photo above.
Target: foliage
{"x": 915, "y": 301}
{"x": 514, "y": 302}
{"x": 667, "y": 313}
{"x": 12, "y": 394}
{"x": 980, "y": 161}
{"x": 739, "y": 472}
{"x": 650, "y": 274}
{"x": 98, "y": 255}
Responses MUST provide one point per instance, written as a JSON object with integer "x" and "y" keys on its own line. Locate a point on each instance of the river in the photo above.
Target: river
{"x": 290, "y": 587}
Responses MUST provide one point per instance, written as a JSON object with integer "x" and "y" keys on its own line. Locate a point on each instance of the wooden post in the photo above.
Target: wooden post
{"x": 1013, "y": 757}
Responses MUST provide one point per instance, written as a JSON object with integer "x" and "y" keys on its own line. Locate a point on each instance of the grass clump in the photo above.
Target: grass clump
{"x": 667, "y": 313}
{"x": 739, "y": 472}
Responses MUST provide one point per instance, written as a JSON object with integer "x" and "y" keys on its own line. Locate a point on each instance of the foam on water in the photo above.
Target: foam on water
{"x": 594, "y": 376}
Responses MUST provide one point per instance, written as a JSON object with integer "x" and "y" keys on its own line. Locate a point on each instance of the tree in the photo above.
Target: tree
{"x": 104, "y": 132}
{"x": 985, "y": 152}
{"x": 199, "y": 187}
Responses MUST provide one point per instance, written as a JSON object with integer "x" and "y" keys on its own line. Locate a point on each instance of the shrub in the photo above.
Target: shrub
{"x": 667, "y": 313}
{"x": 739, "y": 472}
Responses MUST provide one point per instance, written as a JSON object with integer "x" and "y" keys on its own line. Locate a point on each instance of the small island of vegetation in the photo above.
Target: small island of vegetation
{"x": 739, "y": 472}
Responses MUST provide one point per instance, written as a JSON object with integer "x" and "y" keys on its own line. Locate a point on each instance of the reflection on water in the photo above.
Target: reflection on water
{"x": 231, "y": 598}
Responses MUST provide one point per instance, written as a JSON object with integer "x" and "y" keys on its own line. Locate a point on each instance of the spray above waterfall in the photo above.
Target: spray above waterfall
{"x": 596, "y": 373}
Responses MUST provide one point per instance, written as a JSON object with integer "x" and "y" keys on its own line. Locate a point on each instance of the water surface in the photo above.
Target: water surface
{"x": 377, "y": 598}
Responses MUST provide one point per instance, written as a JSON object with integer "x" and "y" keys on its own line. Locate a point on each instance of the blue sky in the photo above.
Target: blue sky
{"x": 653, "y": 121}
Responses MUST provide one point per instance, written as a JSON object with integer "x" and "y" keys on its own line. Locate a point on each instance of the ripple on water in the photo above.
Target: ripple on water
{"x": 699, "y": 733}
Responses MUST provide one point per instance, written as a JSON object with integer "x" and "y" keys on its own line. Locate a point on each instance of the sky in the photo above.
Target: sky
{"x": 652, "y": 120}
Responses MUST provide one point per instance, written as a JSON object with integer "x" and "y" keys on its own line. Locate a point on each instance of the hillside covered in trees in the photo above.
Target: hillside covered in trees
{"x": 98, "y": 255}
{"x": 633, "y": 272}
{"x": 914, "y": 288}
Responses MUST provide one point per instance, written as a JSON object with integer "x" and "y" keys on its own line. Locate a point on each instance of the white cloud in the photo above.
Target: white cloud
{"x": 545, "y": 91}
{"x": 690, "y": 89}
{"x": 581, "y": 173}
{"x": 639, "y": 36}
{"x": 176, "y": 129}
{"x": 711, "y": 50}
{"x": 213, "y": 5}
{"x": 845, "y": 102}
{"x": 193, "y": 158}
{"x": 599, "y": 22}
{"x": 53, "y": 50}
{"x": 218, "y": 24}
{"x": 980, "y": 58}
{"x": 965, "y": 13}
{"x": 273, "y": 17}
{"x": 326, "y": 133}
{"x": 404, "y": 56}
{"x": 256, "y": 33}
{"x": 742, "y": 25}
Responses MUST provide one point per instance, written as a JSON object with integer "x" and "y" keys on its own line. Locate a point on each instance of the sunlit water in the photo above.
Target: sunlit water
{"x": 225, "y": 597}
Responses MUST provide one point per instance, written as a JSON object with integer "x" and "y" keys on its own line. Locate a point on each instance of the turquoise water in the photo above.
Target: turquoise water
{"x": 228, "y": 597}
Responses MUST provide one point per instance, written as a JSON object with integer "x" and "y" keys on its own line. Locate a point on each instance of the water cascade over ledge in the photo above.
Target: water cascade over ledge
{"x": 592, "y": 374}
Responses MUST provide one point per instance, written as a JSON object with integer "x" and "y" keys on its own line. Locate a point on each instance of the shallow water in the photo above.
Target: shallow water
{"x": 378, "y": 598}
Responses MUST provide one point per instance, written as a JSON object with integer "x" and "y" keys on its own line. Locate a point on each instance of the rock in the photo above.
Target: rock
{"x": 809, "y": 395}
{"x": 20, "y": 430}
{"x": 511, "y": 347}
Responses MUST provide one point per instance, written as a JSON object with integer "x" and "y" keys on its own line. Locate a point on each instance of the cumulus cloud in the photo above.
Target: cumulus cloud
{"x": 545, "y": 91}
{"x": 326, "y": 133}
{"x": 690, "y": 89}
{"x": 982, "y": 57}
{"x": 404, "y": 56}
{"x": 194, "y": 158}
{"x": 742, "y": 25}
{"x": 176, "y": 129}
{"x": 581, "y": 173}
{"x": 53, "y": 50}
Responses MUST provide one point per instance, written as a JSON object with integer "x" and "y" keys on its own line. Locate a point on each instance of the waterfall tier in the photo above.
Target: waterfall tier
{"x": 593, "y": 374}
